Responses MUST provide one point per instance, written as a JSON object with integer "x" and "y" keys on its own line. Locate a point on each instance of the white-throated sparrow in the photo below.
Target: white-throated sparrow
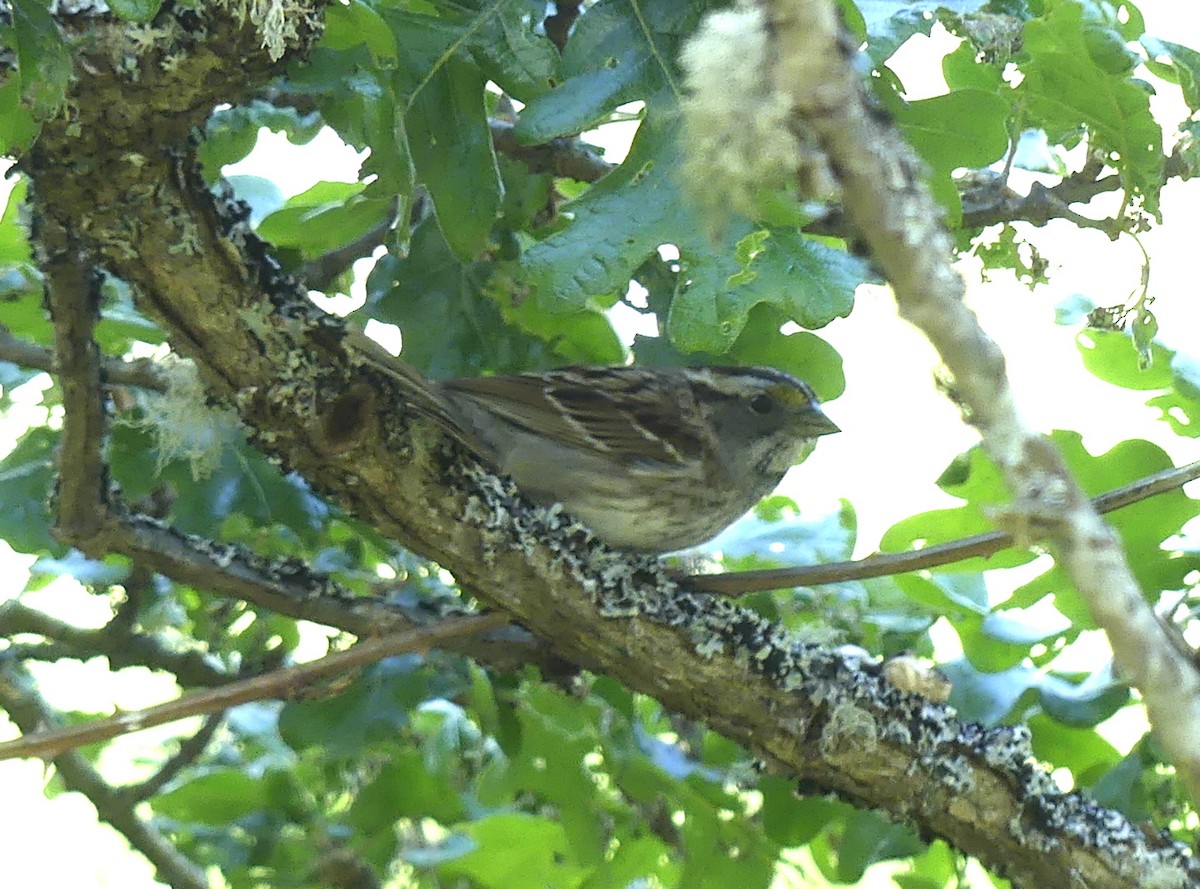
{"x": 651, "y": 459}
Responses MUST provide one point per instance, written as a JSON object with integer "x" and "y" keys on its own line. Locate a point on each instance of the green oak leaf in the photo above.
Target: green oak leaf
{"x": 641, "y": 205}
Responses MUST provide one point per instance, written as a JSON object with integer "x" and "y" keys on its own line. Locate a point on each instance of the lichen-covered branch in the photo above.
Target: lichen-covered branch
{"x": 889, "y": 205}
{"x": 299, "y": 382}
{"x": 146, "y": 374}
{"x": 290, "y": 588}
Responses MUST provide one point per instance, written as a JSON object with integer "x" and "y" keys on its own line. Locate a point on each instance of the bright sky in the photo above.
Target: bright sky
{"x": 899, "y": 432}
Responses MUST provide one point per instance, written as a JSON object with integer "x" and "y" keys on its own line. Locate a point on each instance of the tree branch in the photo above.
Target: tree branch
{"x": 740, "y": 583}
{"x": 32, "y": 714}
{"x": 290, "y": 588}
{"x": 143, "y": 372}
{"x": 319, "y": 273}
{"x": 123, "y": 649}
{"x": 283, "y": 683}
{"x": 733, "y": 584}
{"x": 821, "y": 715}
{"x": 891, "y": 208}
{"x": 73, "y": 299}
{"x": 565, "y": 158}
{"x": 189, "y": 751}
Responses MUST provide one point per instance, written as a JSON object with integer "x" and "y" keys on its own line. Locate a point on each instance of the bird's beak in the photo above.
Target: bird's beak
{"x": 819, "y": 424}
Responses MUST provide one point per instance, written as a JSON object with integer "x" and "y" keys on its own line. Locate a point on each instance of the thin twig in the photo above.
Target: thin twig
{"x": 278, "y": 684}
{"x": 566, "y": 158}
{"x": 190, "y": 749}
{"x": 142, "y": 372}
{"x": 978, "y": 545}
{"x": 123, "y": 648}
{"x": 19, "y": 697}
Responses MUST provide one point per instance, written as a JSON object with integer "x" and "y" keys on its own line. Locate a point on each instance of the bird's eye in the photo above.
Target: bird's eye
{"x": 762, "y": 404}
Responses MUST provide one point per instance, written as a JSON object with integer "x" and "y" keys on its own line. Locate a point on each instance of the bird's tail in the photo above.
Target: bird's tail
{"x": 413, "y": 387}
